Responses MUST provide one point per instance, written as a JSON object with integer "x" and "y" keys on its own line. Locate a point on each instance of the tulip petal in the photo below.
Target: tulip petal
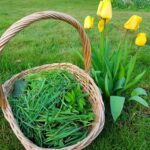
{"x": 141, "y": 39}
{"x": 133, "y": 23}
{"x": 88, "y": 22}
{"x": 105, "y": 9}
{"x": 100, "y": 8}
{"x": 101, "y": 25}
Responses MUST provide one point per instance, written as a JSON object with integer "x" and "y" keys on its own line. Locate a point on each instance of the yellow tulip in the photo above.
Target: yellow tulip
{"x": 133, "y": 23}
{"x": 105, "y": 9}
{"x": 88, "y": 22}
{"x": 101, "y": 25}
{"x": 141, "y": 39}
{"x": 100, "y": 8}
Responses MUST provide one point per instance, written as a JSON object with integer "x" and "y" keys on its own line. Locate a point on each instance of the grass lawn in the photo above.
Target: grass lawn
{"x": 54, "y": 41}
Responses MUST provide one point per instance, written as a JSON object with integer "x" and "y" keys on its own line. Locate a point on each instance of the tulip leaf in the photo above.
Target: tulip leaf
{"x": 136, "y": 80}
{"x": 119, "y": 84}
{"x": 139, "y": 92}
{"x": 95, "y": 74}
{"x": 96, "y": 61}
{"x": 121, "y": 72}
{"x": 139, "y": 100}
{"x": 108, "y": 67}
{"x": 116, "y": 104}
{"x": 117, "y": 60}
{"x": 130, "y": 68}
{"x": 108, "y": 86}
{"x": 107, "y": 48}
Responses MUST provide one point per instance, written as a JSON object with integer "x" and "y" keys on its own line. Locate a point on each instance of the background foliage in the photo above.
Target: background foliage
{"x": 43, "y": 41}
{"x": 132, "y": 4}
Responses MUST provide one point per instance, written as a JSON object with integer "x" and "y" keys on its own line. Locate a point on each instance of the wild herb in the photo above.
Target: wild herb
{"x": 51, "y": 108}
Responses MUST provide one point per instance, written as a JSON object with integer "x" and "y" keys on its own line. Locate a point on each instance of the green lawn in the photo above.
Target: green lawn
{"x": 54, "y": 41}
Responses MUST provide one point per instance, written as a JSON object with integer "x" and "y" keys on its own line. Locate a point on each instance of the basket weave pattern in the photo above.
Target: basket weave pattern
{"x": 81, "y": 75}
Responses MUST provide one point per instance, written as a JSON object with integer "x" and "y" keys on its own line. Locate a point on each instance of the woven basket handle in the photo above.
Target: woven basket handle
{"x": 24, "y": 22}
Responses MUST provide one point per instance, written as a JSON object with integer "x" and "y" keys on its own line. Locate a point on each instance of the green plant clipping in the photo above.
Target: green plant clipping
{"x": 52, "y": 109}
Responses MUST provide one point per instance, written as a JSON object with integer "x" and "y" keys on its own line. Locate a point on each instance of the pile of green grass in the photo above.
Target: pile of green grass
{"x": 51, "y": 109}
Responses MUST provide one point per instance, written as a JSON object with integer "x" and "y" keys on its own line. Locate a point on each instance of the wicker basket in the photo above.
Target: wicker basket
{"x": 81, "y": 75}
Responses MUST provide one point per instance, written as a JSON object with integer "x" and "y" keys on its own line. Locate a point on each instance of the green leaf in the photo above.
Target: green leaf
{"x": 67, "y": 98}
{"x": 117, "y": 60}
{"x": 139, "y": 92}
{"x": 130, "y": 68}
{"x": 125, "y": 52}
{"x": 121, "y": 72}
{"x": 135, "y": 81}
{"x": 81, "y": 104}
{"x": 96, "y": 61}
{"x": 107, "y": 86}
{"x": 139, "y": 100}
{"x": 19, "y": 88}
{"x": 107, "y": 48}
{"x": 116, "y": 104}
{"x": 109, "y": 69}
{"x": 95, "y": 74}
{"x": 73, "y": 97}
{"x": 119, "y": 84}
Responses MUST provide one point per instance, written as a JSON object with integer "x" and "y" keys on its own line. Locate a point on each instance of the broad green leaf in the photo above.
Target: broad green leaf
{"x": 119, "y": 84}
{"x": 130, "y": 68}
{"x": 140, "y": 100}
{"x": 116, "y": 104}
{"x": 135, "y": 81}
{"x": 139, "y": 92}
{"x": 19, "y": 87}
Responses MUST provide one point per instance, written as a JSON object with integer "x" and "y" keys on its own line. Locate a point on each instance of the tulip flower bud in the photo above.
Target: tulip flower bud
{"x": 105, "y": 9}
{"x": 88, "y": 22}
{"x": 141, "y": 39}
{"x": 133, "y": 23}
{"x": 101, "y": 25}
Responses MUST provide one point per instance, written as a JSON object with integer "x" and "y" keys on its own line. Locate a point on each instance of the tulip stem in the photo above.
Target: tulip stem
{"x": 102, "y": 40}
{"x": 102, "y": 47}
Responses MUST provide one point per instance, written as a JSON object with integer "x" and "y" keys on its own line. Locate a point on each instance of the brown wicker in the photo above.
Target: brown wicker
{"x": 81, "y": 75}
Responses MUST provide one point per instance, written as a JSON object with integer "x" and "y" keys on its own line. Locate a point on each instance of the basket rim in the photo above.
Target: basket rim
{"x": 83, "y": 143}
